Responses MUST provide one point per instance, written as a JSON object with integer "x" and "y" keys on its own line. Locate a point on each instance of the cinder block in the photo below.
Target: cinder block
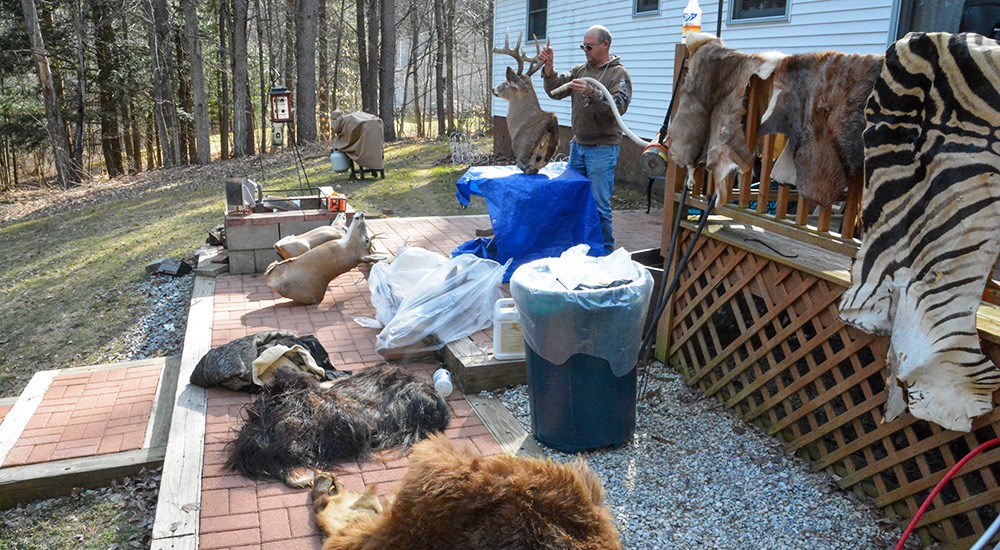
{"x": 297, "y": 228}
{"x": 241, "y": 262}
{"x": 251, "y": 237}
{"x": 263, "y": 258}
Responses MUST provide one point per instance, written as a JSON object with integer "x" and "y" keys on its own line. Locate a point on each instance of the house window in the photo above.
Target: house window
{"x": 647, "y": 6}
{"x": 747, "y": 10}
{"x": 537, "y": 11}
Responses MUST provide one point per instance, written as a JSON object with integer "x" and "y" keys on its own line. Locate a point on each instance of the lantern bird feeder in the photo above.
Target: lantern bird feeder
{"x": 281, "y": 104}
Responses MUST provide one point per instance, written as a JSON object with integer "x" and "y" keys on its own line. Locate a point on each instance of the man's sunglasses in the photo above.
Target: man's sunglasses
{"x": 588, "y": 47}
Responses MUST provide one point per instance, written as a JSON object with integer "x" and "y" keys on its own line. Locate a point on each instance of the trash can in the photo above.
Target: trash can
{"x": 582, "y": 319}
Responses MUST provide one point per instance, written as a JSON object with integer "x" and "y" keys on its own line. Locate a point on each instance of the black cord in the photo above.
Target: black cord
{"x": 301, "y": 164}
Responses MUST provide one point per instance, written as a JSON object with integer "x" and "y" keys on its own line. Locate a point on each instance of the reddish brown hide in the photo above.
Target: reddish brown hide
{"x": 818, "y": 102}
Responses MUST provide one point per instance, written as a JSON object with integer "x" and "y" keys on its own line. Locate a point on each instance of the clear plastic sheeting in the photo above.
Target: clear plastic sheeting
{"x": 391, "y": 282}
{"x": 451, "y": 302}
{"x": 581, "y": 304}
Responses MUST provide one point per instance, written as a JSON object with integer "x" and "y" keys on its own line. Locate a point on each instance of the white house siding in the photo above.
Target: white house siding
{"x": 646, "y": 43}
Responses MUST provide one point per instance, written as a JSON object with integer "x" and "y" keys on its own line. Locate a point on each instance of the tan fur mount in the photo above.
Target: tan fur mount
{"x": 818, "y": 102}
{"x": 305, "y": 278}
{"x": 335, "y": 507}
{"x": 297, "y": 245}
{"x": 708, "y": 125}
{"x": 931, "y": 205}
{"x": 534, "y": 133}
{"x": 452, "y": 499}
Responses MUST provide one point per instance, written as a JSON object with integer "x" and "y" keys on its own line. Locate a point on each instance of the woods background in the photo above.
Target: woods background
{"x": 110, "y": 87}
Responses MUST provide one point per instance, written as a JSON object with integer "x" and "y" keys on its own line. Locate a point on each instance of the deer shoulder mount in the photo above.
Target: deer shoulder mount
{"x": 297, "y": 245}
{"x": 931, "y": 205}
{"x": 304, "y": 278}
{"x": 534, "y": 133}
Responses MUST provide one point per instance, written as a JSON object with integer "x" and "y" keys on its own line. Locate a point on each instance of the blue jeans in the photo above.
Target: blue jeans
{"x": 598, "y": 162}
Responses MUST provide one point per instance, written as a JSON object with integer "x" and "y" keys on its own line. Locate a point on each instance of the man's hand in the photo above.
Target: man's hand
{"x": 579, "y": 86}
{"x": 546, "y": 56}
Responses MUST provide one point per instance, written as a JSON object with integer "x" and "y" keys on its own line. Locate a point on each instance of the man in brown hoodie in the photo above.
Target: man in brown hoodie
{"x": 596, "y": 136}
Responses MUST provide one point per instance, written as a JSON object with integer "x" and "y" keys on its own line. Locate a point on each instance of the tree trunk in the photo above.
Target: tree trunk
{"x": 107, "y": 68}
{"x": 162, "y": 64}
{"x": 305, "y": 64}
{"x": 449, "y": 51}
{"x": 80, "y": 28}
{"x": 488, "y": 110}
{"x": 387, "y": 70}
{"x": 263, "y": 83}
{"x": 372, "y": 17}
{"x": 414, "y": 66}
{"x": 366, "y": 86}
{"x": 185, "y": 133}
{"x": 53, "y": 118}
{"x": 323, "y": 78}
{"x": 223, "y": 80}
{"x": 289, "y": 67}
{"x": 241, "y": 80}
{"x": 439, "y": 83}
{"x": 202, "y": 126}
{"x": 334, "y": 95}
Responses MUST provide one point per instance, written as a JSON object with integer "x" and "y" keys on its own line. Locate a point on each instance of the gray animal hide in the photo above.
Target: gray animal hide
{"x": 708, "y": 125}
{"x": 931, "y": 211}
{"x": 818, "y": 102}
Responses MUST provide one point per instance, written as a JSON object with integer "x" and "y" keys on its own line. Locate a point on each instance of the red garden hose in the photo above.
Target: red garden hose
{"x": 937, "y": 488}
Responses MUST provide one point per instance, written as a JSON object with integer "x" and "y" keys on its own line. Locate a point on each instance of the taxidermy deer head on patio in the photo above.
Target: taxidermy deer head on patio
{"x": 534, "y": 133}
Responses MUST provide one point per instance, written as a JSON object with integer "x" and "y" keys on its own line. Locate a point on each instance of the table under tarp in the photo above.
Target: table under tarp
{"x": 536, "y": 216}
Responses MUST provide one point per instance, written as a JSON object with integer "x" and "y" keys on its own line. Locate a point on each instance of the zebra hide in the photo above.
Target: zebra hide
{"x": 818, "y": 102}
{"x": 931, "y": 214}
{"x": 708, "y": 125}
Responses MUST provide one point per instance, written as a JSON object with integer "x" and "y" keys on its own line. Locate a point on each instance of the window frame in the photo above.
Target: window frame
{"x": 731, "y": 18}
{"x": 637, "y": 13}
{"x": 529, "y": 12}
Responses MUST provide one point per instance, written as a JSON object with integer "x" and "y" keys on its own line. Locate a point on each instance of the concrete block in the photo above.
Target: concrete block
{"x": 251, "y": 237}
{"x": 297, "y": 228}
{"x": 263, "y": 258}
{"x": 241, "y": 262}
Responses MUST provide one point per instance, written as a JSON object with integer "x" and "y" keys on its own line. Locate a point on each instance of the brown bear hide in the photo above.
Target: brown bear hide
{"x": 818, "y": 102}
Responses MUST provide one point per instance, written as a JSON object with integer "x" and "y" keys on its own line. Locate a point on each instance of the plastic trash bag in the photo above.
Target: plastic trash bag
{"x": 452, "y": 302}
{"x": 391, "y": 282}
{"x": 581, "y": 304}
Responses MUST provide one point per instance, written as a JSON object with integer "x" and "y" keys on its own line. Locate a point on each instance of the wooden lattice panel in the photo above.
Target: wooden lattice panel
{"x": 765, "y": 339}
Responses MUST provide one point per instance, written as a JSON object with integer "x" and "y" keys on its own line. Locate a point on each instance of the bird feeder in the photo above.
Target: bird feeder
{"x": 281, "y": 104}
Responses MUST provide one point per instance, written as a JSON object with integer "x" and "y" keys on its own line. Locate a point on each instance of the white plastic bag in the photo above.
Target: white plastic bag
{"x": 452, "y": 302}
{"x": 391, "y": 282}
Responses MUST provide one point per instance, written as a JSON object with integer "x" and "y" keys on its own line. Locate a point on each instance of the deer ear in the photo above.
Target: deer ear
{"x": 511, "y": 75}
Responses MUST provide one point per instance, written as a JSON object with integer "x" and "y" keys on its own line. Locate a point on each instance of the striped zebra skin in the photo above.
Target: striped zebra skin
{"x": 931, "y": 223}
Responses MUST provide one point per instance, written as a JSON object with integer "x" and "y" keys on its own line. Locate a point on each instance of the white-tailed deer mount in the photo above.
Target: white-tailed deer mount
{"x": 534, "y": 133}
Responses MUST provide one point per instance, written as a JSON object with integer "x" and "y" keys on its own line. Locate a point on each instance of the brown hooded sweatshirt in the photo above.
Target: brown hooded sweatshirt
{"x": 593, "y": 122}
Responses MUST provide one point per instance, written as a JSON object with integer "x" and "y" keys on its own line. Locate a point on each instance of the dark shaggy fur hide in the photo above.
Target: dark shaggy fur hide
{"x": 452, "y": 499}
{"x": 297, "y": 423}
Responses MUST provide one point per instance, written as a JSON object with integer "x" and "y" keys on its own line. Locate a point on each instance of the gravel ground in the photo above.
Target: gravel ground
{"x": 697, "y": 476}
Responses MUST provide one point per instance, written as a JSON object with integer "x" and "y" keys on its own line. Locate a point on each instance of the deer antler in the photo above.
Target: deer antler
{"x": 515, "y": 53}
{"x": 535, "y": 63}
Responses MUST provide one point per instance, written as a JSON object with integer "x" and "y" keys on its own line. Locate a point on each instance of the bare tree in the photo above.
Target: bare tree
{"x": 439, "y": 83}
{"x": 305, "y": 64}
{"x": 241, "y": 81}
{"x": 449, "y": 52}
{"x": 196, "y": 61}
{"x": 224, "y": 96}
{"x": 387, "y": 70}
{"x": 263, "y": 79}
{"x": 106, "y": 45}
{"x": 162, "y": 63}
{"x": 53, "y": 119}
{"x": 367, "y": 87}
{"x": 80, "y": 30}
{"x": 323, "y": 82}
{"x": 334, "y": 100}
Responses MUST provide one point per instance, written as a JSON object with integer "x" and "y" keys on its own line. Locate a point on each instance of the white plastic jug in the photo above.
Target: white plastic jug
{"x": 508, "y": 337}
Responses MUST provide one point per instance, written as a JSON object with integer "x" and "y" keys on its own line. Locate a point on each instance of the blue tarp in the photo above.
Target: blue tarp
{"x": 536, "y": 216}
